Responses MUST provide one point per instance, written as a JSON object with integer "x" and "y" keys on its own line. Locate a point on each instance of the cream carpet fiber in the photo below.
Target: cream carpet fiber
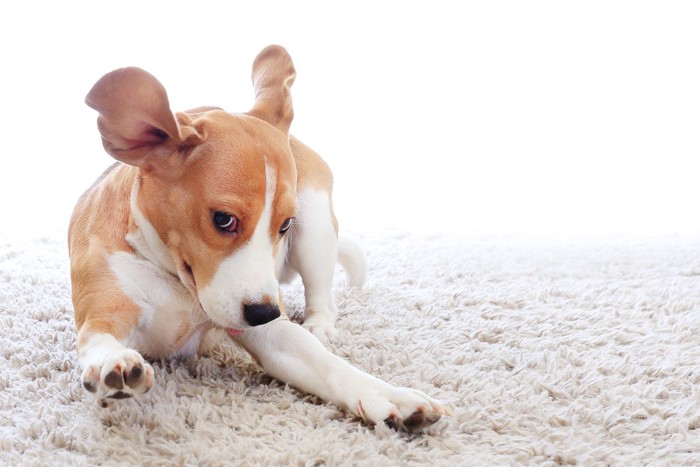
{"x": 550, "y": 351}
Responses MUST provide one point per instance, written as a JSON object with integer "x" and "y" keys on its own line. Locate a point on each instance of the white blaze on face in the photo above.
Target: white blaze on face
{"x": 248, "y": 275}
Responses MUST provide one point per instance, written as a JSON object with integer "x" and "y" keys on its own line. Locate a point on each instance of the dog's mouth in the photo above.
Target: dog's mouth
{"x": 187, "y": 278}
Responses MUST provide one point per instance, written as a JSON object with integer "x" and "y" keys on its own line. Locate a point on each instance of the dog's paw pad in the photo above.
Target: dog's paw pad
{"x": 115, "y": 379}
{"x": 133, "y": 378}
{"x": 90, "y": 387}
{"x": 119, "y": 375}
{"x": 414, "y": 423}
{"x": 120, "y": 395}
{"x": 402, "y": 409}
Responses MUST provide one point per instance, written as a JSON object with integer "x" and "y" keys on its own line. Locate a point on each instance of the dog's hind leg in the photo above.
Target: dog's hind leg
{"x": 313, "y": 252}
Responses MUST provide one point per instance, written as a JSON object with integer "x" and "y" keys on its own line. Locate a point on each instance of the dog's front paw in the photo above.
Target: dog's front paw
{"x": 118, "y": 375}
{"x": 402, "y": 409}
{"x": 322, "y": 328}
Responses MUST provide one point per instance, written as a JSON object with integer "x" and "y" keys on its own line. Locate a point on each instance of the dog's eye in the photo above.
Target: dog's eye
{"x": 286, "y": 225}
{"x": 225, "y": 222}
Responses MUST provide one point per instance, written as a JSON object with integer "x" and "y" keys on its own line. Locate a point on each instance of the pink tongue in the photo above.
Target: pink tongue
{"x": 234, "y": 332}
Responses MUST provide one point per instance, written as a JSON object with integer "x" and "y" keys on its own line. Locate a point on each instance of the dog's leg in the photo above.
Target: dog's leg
{"x": 290, "y": 353}
{"x": 106, "y": 318}
{"x": 313, "y": 252}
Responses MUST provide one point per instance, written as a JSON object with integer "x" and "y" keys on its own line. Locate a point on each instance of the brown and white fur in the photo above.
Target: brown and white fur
{"x": 185, "y": 237}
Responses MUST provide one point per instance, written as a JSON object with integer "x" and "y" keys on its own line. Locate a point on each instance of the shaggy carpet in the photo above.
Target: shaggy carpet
{"x": 549, "y": 350}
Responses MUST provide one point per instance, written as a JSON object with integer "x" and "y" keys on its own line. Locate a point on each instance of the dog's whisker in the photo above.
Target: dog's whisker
{"x": 196, "y": 310}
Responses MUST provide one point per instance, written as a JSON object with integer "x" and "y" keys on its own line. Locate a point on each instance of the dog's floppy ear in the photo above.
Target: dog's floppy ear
{"x": 273, "y": 75}
{"x": 135, "y": 115}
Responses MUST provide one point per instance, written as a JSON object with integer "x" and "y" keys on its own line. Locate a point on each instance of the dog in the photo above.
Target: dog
{"x": 186, "y": 238}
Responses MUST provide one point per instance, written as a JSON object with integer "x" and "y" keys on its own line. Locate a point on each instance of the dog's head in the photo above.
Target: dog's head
{"x": 216, "y": 191}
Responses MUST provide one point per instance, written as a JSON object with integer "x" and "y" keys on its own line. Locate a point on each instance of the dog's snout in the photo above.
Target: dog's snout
{"x": 260, "y": 313}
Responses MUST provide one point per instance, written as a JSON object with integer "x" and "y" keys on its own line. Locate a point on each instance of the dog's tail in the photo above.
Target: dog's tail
{"x": 354, "y": 262}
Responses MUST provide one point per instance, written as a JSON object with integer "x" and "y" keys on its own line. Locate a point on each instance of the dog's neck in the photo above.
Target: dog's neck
{"x": 146, "y": 241}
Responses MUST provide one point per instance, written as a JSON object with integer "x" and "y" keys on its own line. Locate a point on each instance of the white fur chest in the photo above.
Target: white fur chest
{"x": 171, "y": 321}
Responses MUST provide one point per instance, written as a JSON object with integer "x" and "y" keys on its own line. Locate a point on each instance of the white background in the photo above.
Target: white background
{"x": 488, "y": 117}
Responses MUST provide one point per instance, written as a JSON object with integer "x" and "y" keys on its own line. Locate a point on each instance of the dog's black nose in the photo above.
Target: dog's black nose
{"x": 260, "y": 313}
